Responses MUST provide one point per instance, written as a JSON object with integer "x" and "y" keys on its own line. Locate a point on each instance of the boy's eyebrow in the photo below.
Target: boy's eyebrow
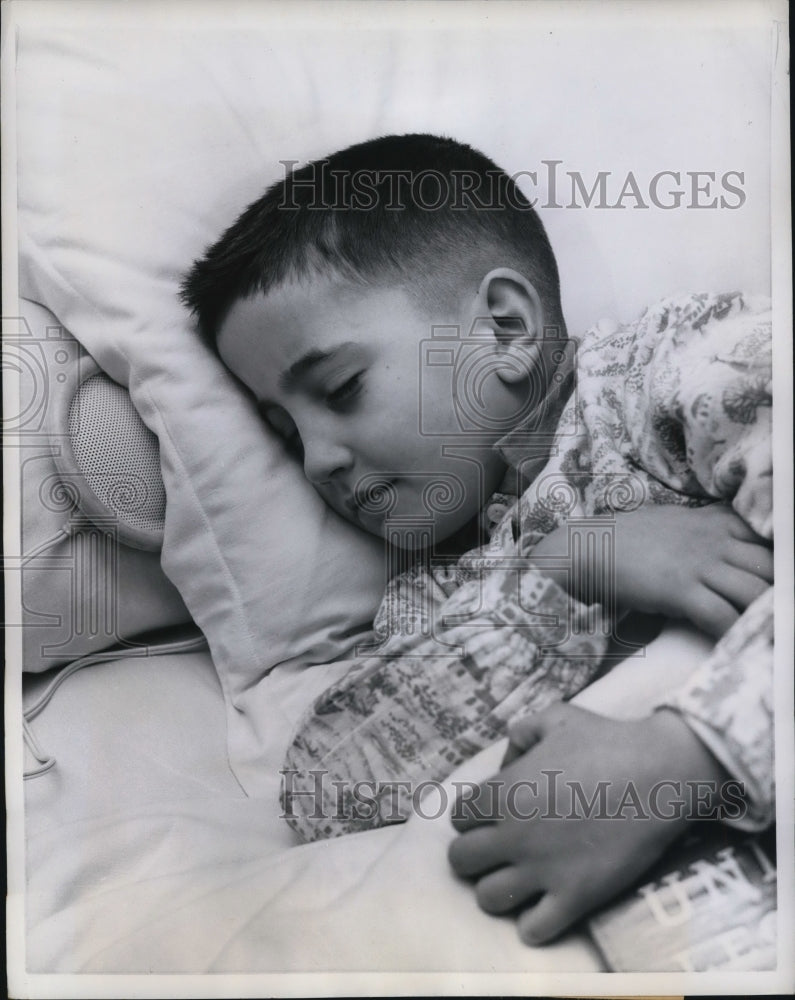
{"x": 307, "y": 362}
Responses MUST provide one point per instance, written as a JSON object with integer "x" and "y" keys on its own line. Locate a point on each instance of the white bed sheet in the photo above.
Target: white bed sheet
{"x": 144, "y": 855}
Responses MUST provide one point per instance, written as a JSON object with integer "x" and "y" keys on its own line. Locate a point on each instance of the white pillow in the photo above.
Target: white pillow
{"x": 112, "y": 212}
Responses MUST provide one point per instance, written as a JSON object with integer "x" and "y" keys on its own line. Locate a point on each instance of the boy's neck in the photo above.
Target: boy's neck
{"x": 526, "y": 449}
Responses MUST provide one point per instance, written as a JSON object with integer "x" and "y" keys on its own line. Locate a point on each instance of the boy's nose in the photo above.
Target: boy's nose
{"x": 323, "y": 458}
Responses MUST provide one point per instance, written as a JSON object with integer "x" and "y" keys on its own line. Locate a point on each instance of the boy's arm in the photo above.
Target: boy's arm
{"x": 672, "y": 411}
{"x": 706, "y": 565}
{"x": 707, "y": 752}
{"x": 577, "y": 826}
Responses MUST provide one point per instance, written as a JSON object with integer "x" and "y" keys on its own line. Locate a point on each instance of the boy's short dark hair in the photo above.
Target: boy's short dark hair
{"x": 421, "y": 211}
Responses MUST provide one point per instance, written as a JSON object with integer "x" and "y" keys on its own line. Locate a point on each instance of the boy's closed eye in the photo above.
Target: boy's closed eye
{"x": 280, "y": 421}
{"x": 346, "y": 392}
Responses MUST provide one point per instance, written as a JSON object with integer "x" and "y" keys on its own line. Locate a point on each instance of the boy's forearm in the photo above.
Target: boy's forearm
{"x": 552, "y": 557}
{"x": 686, "y": 761}
{"x": 579, "y": 570}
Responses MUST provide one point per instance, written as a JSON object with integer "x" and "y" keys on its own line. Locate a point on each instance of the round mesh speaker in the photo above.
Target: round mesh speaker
{"x": 110, "y": 458}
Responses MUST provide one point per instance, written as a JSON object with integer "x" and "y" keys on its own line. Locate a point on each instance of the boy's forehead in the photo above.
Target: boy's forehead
{"x": 333, "y": 298}
{"x": 297, "y": 314}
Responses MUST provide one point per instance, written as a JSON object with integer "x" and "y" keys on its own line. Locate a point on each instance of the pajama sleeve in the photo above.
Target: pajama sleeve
{"x": 728, "y": 703}
{"x": 451, "y": 671}
{"x": 698, "y": 402}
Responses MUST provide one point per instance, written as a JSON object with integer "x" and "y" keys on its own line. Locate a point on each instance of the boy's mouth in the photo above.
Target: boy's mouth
{"x": 350, "y": 505}
{"x": 374, "y": 501}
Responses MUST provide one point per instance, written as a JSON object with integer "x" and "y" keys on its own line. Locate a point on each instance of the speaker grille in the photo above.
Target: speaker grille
{"x": 117, "y": 455}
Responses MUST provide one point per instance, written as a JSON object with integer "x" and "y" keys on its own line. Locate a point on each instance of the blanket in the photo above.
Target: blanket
{"x": 143, "y": 854}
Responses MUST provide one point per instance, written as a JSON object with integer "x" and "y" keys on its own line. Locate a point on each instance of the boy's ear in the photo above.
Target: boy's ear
{"x": 512, "y": 308}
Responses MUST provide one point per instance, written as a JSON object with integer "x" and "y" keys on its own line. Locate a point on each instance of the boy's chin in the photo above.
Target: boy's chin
{"x": 439, "y": 539}
{"x": 417, "y": 535}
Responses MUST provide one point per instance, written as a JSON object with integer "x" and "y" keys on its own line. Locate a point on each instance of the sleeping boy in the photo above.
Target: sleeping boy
{"x": 396, "y": 311}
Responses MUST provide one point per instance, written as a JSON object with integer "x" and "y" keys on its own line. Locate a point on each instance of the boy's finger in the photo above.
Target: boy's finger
{"x": 712, "y": 613}
{"x": 507, "y": 888}
{"x": 741, "y": 530}
{"x": 477, "y": 805}
{"x": 549, "y": 917}
{"x": 739, "y": 587}
{"x": 512, "y": 751}
{"x": 752, "y": 557}
{"x": 477, "y": 852}
{"x": 524, "y": 731}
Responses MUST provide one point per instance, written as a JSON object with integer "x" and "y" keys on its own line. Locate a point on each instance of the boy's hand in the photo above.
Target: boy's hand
{"x": 562, "y": 868}
{"x": 700, "y": 563}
